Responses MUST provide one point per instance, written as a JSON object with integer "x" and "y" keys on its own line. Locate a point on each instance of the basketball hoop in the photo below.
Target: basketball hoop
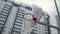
{"x": 30, "y": 17}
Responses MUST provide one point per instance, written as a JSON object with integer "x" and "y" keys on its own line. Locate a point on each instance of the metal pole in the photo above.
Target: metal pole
{"x": 58, "y": 15}
{"x": 47, "y": 21}
{"x": 56, "y": 8}
{"x": 33, "y": 31}
{"x": 48, "y": 25}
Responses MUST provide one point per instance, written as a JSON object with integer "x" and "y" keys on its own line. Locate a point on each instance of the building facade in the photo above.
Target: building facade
{"x": 12, "y": 19}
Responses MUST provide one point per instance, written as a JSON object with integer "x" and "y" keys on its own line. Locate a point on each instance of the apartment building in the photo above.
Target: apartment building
{"x": 12, "y": 21}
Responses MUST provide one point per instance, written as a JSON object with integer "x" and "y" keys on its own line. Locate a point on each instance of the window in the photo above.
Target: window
{"x": 29, "y": 8}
